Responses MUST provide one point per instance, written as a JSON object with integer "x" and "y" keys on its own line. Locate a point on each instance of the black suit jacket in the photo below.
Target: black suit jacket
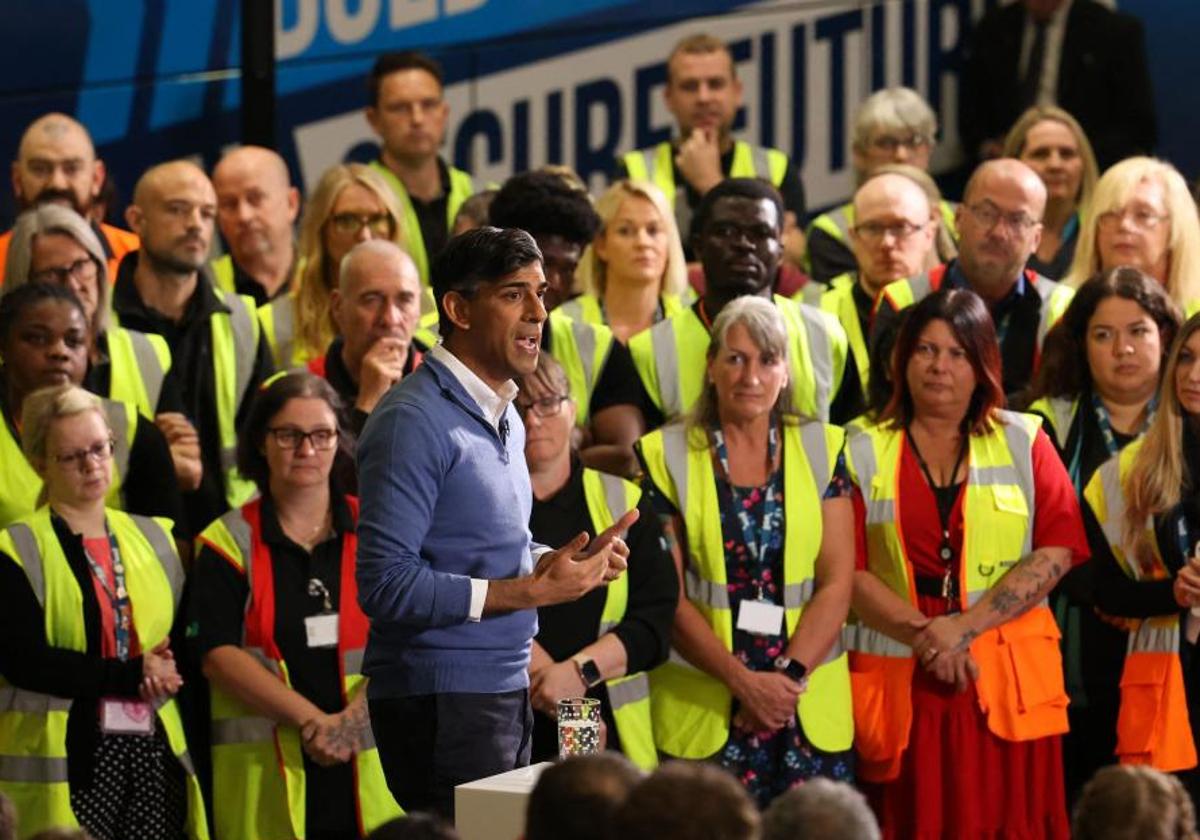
{"x": 1103, "y": 80}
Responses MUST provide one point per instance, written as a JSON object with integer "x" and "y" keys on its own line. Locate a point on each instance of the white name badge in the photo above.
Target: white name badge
{"x": 322, "y": 630}
{"x": 761, "y": 618}
{"x": 119, "y": 716}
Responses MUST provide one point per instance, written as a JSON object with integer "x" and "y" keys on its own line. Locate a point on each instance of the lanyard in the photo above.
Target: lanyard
{"x": 1074, "y": 467}
{"x": 945, "y": 506}
{"x": 117, "y": 594}
{"x": 767, "y": 533}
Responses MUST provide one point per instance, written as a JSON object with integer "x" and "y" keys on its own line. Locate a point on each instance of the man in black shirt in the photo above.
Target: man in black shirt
{"x": 215, "y": 343}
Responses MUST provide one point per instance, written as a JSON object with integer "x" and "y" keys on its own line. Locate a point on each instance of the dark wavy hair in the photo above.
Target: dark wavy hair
{"x": 544, "y": 204}
{"x": 272, "y": 396}
{"x": 965, "y": 314}
{"x": 481, "y": 255}
{"x": 1064, "y": 370}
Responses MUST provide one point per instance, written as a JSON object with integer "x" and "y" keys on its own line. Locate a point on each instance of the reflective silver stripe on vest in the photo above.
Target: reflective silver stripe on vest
{"x": 820, "y": 353}
{"x": 31, "y": 559}
{"x": 283, "y": 319}
{"x": 262, "y": 659}
{"x": 816, "y": 450}
{"x": 1044, "y": 287}
{"x": 841, "y": 220}
{"x": 1114, "y": 503}
{"x": 243, "y": 730}
{"x": 149, "y": 366}
{"x": 352, "y": 662}
{"x": 623, "y": 692}
{"x": 666, "y": 363}
{"x": 761, "y": 162}
{"x": 796, "y": 595}
{"x": 1020, "y": 446}
{"x": 614, "y": 495}
{"x": 862, "y": 456}
{"x": 14, "y": 699}
{"x": 675, "y": 453}
{"x": 573, "y": 309}
{"x": 185, "y": 761}
{"x": 585, "y": 343}
{"x": 700, "y": 591}
{"x": 117, "y": 415}
{"x": 241, "y": 322}
{"x": 1153, "y": 637}
{"x": 164, "y": 549}
{"x": 1063, "y": 410}
{"x": 999, "y": 474}
{"x": 32, "y": 768}
{"x": 863, "y": 639}
{"x": 921, "y": 287}
{"x": 605, "y": 626}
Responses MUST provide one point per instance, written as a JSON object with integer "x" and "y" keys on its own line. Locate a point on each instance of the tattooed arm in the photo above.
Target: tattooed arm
{"x": 1025, "y": 585}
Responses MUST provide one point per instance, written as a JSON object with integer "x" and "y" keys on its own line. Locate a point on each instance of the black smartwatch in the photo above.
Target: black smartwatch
{"x": 790, "y": 668}
{"x": 588, "y": 671}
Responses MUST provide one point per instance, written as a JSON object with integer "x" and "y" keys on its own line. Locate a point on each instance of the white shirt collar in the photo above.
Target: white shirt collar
{"x": 492, "y": 403}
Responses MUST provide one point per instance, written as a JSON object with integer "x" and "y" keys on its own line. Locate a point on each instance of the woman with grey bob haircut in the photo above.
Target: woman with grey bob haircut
{"x": 756, "y": 509}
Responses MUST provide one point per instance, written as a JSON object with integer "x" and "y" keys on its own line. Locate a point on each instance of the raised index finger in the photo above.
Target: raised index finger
{"x": 617, "y": 529}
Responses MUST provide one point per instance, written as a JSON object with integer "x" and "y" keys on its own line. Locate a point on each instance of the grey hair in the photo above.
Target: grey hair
{"x": 55, "y": 219}
{"x": 764, "y": 322}
{"x": 820, "y": 808}
{"x": 893, "y": 109}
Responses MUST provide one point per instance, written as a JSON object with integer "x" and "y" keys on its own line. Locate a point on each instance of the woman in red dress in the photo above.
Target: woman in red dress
{"x": 968, "y": 520}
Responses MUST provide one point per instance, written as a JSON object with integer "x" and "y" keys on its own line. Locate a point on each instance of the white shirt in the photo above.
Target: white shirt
{"x": 1056, "y": 29}
{"x": 493, "y": 403}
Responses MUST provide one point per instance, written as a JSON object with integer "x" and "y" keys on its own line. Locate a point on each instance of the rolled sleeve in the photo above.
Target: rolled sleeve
{"x": 401, "y": 463}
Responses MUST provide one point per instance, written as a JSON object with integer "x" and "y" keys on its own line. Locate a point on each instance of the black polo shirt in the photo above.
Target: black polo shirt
{"x": 244, "y": 284}
{"x": 190, "y": 341}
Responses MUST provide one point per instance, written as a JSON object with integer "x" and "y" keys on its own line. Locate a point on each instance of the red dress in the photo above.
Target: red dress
{"x": 957, "y": 779}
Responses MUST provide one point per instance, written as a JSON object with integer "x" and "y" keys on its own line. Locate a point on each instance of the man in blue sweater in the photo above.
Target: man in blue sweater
{"x": 446, "y": 569}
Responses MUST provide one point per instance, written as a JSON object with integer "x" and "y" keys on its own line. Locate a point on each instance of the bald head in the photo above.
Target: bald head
{"x": 256, "y": 208}
{"x": 173, "y": 211}
{"x": 56, "y": 162}
{"x": 893, "y": 231}
{"x": 378, "y": 299}
{"x": 999, "y": 225}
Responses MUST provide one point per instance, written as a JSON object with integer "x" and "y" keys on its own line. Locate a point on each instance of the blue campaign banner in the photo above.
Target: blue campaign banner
{"x": 528, "y": 81}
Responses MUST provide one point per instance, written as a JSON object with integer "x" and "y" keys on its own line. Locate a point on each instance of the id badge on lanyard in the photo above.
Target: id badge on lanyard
{"x": 321, "y": 631}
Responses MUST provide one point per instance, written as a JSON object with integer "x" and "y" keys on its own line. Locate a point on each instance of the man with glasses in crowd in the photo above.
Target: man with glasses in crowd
{"x": 999, "y": 226}
{"x": 894, "y": 125}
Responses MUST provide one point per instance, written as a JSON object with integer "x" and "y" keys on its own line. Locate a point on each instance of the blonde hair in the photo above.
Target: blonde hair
{"x": 943, "y": 242}
{"x": 53, "y": 219}
{"x": 1014, "y": 144}
{"x": 1159, "y": 469}
{"x": 893, "y": 109}
{"x": 1125, "y": 800}
{"x": 592, "y": 274}
{"x": 40, "y": 409}
{"x": 765, "y": 324}
{"x": 318, "y": 277}
{"x": 1112, "y": 192}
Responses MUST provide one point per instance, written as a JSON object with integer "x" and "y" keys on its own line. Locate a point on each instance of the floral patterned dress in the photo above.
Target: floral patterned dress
{"x": 752, "y": 526}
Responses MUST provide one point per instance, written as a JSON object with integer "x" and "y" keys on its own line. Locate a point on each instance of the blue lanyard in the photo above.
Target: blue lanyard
{"x": 767, "y": 533}
{"x": 117, "y": 594}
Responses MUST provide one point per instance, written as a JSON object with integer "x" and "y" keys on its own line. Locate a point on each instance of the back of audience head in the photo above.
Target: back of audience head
{"x": 1064, "y": 369}
{"x": 1142, "y": 215}
{"x": 687, "y": 800}
{"x": 820, "y": 809}
{"x": 1133, "y": 802}
{"x": 740, "y": 220}
{"x": 54, "y": 244}
{"x": 893, "y": 125}
{"x": 474, "y": 212}
{"x": 415, "y": 827}
{"x": 636, "y": 206}
{"x": 577, "y": 798}
{"x": 1052, "y": 143}
{"x": 259, "y": 458}
{"x": 350, "y": 204}
{"x": 557, "y": 215}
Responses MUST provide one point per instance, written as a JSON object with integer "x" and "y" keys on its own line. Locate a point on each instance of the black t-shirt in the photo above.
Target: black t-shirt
{"x": 219, "y": 593}
{"x": 190, "y": 341}
{"x": 431, "y": 216}
{"x": 618, "y": 382}
{"x": 565, "y": 629}
{"x": 244, "y": 284}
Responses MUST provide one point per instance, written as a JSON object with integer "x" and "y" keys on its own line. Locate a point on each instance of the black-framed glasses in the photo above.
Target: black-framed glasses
{"x": 350, "y": 224}
{"x": 83, "y": 268}
{"x": 874, "y": 232}
{"x": 544, "y": 407}
{"x": 98, "y": 452}
{"x": 288, "y": 437}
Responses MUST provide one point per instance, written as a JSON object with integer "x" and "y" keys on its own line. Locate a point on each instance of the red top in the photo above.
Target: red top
{"x": 100, "y": 552}
{"x": 1056, "y": 519}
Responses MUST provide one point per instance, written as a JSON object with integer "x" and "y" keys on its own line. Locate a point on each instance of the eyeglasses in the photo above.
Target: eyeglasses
{"x": 82, "y": 269}
{"x": 890, "y": 143}
{"x": 989, "y": 215}
{"x": 874, "y": 232}
{"x": 287, "y": 437}
{"x": 545, "y": 407}
{"x": 350, "y": 224}
{"x": 1140, "y": 217}
{"x": 98, "y": 452}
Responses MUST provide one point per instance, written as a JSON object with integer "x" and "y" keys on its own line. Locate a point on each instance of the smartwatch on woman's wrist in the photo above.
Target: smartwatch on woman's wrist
{"x": 790, "y": 668}
{"x": 588, "y": 671}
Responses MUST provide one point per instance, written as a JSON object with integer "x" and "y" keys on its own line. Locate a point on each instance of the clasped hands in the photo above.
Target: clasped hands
{"x": 331, "y": 739}
{"x": 941, "y": 647}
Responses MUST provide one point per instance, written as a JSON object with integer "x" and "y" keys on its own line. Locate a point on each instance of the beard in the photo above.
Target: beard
{"x": 164, "y": 262}
{"x": 50, "y": 195}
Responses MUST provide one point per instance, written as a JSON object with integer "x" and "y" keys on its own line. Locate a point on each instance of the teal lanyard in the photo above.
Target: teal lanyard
{"x": 765, "y": 534}
{"x": 118, "y": 596}
{"x": 1075, "y": 466}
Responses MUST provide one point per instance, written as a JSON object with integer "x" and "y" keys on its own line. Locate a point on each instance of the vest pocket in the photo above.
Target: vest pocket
{"x": 1035, "y": 660}
{"x": 881, "y": 688}
{"x": 1143, "y": 683}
